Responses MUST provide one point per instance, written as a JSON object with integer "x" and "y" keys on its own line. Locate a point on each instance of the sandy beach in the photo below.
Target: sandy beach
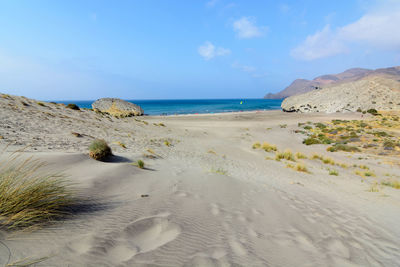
{"x": 206, "y": 197}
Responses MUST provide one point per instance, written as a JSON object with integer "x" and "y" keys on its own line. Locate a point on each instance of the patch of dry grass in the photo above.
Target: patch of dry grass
{"x": 300, "y": 155}
{"x": 268, "y": 147}
{"x": 256, "y": 145}
{"x": 287, "y": 155}
{"x": 391, "y": 183}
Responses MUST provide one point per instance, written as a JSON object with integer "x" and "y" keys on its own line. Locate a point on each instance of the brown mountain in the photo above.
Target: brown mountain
{"x": 301, "y": 86}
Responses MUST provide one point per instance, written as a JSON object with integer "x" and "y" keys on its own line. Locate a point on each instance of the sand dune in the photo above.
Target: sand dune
{"x": 208, "y": 199}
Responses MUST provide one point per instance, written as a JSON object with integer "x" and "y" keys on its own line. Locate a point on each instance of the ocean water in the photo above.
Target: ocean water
{"x": 197, "y": 106}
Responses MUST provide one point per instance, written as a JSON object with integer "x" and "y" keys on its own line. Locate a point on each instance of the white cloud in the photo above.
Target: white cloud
{"x": 245, "y": 28}
{"x": 209, "y": 51}
{"x": 376, "y": 29}
{"x": 322, "y": 44}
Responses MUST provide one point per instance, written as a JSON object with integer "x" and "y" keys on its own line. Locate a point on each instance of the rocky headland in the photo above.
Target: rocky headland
{"x": 380, "y": 91}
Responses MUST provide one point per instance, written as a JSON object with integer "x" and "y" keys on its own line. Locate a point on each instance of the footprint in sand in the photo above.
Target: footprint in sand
{"x": 237, "y": 248}
{"x": 214, "y": 209}
{"x": 141, "y": 236}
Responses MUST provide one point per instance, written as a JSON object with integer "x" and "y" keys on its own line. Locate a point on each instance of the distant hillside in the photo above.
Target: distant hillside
{"x": 301, "y": 86}
{"x": 378, "y": 90}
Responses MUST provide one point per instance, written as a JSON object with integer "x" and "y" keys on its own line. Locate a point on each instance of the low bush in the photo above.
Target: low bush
{"x": 73, "y": 106}
{"x": 343, "y": 147}
{"x": 373, "y": 111}
{"x": 311, "y": 141}
{"x": 99, "y": 150}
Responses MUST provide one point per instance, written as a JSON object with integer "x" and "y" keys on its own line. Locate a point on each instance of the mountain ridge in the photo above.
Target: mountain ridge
{"x": 301, "y": 86}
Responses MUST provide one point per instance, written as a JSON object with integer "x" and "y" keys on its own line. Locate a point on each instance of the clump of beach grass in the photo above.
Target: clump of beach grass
{"x": 256, "y": 145}
{"x": 287, "y": 155}
{"x": 333, "y": 172}
{"x": 219, "y": 171}
{"x": 301, "y": 168}
{"x": 139, "y": 164}
{"x": 167, "y": 143}
{"x": 392, "y": 183}
{"x": 328, "y": 161}
{"x": 300, "y": 155}
{"x": 99, "y": 150}
{"x": 30, "y": 197}
{"x": 268, "y": 147}
{"x": 316, "y": 156}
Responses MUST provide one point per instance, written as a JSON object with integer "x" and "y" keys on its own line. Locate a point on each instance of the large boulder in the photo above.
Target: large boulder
{"x": 117, "y": 107}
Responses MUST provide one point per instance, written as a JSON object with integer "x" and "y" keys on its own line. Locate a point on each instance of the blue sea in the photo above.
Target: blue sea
{"x": 200, "y": 106}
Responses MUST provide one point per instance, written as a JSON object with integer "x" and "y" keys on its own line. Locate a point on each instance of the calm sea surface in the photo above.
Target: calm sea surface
{"x": 171, "y": 107}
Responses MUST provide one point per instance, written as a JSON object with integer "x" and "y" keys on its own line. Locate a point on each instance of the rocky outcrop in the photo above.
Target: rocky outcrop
{"x": 117, "y": 107}
{"x": 380, "y": 92}
{"x": 301, "y": 86}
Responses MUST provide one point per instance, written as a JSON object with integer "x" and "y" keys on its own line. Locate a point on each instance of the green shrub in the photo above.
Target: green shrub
{"x": 342, "y": 147}
{"x": 333, "y": 172}
{"x": 73, "y": 106}
{"x": 311, "y": 141}
{"x": 320, "y": 125}
{"x": 373, "y": 111}
{"x": 140, "y": 164}
{"x": 99, "y": 150}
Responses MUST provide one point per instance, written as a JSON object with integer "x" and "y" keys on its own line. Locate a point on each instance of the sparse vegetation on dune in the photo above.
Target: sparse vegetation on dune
{"x": 268, "y": 147}
{"x": 391, "y": 183}
{"x": 287, "y": 155}
{"x": 99, "y": 150}
{"x": 333, "y": 172}
{"x": 29, "y": 197}
{"x": 378, "y": 135}
{"x": 139, "y": 164}
{"x": 300, "y": 155}
{"x": 256, "y": 145}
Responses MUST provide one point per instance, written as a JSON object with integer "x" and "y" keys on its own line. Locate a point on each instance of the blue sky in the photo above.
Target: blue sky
{"x": 167, "y": 49}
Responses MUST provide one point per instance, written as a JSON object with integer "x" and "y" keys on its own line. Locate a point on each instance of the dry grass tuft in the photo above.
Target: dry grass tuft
{"x": 333, "y": 172}
{"x": 29, "y": 197}
{"x": 393, "y": 183}
{"x": 268, "y": 147}
{"x": 300, "y": 155}
{"x": 287, "y": 155}
{"x": 328, "y": 161}
{"x": 301, "y": 168}
{"x": 256, "y": 145}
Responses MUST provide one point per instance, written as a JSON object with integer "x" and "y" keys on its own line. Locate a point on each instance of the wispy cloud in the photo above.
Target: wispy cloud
{"x": 211, "y": 3}
{"x": 93, "y": 17}
{"x": 376, "y": 29}
{"x": 245, "y": 68}
{"x": 321, "y": 44}
{"x": 209, "y": 51}
{"x": 253, "y": 71}
{"x": 246, "y": 28}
